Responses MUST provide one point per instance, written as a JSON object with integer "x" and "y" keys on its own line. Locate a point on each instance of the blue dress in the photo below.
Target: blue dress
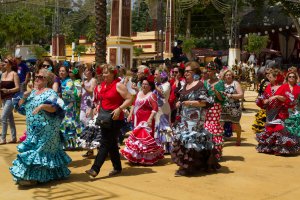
{"x": 41, "y": 156}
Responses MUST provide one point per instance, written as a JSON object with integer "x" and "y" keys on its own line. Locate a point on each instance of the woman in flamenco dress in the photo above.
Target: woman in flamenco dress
{"x": 276, "y": 138}
{"x": 193, "y": 146}
{"x": 141, "y": 147}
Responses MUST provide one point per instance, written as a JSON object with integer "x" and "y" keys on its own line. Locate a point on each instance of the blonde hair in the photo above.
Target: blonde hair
{"x": 225, "y": 72}
{"x": 49, "y": 76}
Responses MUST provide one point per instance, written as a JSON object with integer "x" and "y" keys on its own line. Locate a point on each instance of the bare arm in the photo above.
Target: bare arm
{"x": 55, "y": 87}
{"x": 91, "y": 89}
{"x": 240, "y": 93}
{"x": 17, "y": 84}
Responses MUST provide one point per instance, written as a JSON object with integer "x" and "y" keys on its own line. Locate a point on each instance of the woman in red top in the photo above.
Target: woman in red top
{"x": 115, "y": 97}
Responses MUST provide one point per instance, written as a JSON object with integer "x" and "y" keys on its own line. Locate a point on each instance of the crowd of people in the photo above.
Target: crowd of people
{"x": 179, "y": 109}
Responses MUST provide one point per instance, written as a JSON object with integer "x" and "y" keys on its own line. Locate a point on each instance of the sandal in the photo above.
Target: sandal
{"x": 88, "y": 154}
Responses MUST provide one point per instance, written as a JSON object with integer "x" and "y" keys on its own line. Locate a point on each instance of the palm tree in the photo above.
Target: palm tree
{"x": 100, "y": 12}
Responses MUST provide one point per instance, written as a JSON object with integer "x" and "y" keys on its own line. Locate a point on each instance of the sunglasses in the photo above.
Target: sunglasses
{"x": 46, "y": 65}
{"x": 39, "y": 77}
{"x": 188, "y": 71}
{"x": 175, "y": 72}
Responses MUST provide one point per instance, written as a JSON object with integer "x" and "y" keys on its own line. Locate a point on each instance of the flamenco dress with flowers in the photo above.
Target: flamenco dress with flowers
{"x": 91, "y": 135}
{"x": 41, "y": 157}
{"x": 260, "y": 117}
{"x": 293, "y": 122}
{"x": 71, "y": 127}
{"x": 193, "y": 147}
{"x": 213, "y": 115}
{"x": 163, "y": 132}
{"x": 141, "y": 147}
{"x": 276, "y": 138}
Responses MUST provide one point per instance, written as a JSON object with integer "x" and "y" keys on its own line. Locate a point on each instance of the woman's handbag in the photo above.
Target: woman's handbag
{"x": 104, "y": 119}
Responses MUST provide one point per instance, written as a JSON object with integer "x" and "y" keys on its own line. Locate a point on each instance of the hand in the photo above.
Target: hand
{"x": 88, "y": 112}
{"x": 37, "y": 109}
{"x": 116, "y": 114}
{"x": 129, "y": 118}
{"x": 178, "y": 104}
{"x": 26, "y": 94}
{"x": 4, "y": 90}
{"x": 272, "y": 98}
{"x": 149, "y": 122}
{"x": 266, "y": 101}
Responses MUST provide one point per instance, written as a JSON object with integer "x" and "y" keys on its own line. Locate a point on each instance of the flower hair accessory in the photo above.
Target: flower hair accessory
{"x": 150, "y": 79}
{"x": 164, "y": 74}
{"x": 211, "y": 66}
{"x": 279, "y": 78}
{"x": 115, "y": 72}
{"x": 99, "y": 70}
{"x": 181, "y": 66}
{"x": 66, "y": 64}
{"x": 146, "y": 71}
{"x": 75, "y": 71}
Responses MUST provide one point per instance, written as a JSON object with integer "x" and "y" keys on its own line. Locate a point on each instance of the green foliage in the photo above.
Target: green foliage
{"x": 79, "y": 49}
{"x": 137, "y": 51}
{"x": 188, "y": 44}
{"x": 68, "y": 31}
{"x": 141, "y": 20}
{"x": 4, "y": 52}
{"x": 38, "y": 51}
{"x": 21, "y": 25}
{"x": 256, "y": 43}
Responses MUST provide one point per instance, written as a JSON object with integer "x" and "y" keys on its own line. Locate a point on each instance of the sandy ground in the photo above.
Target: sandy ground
{"x": 245, "y": 174}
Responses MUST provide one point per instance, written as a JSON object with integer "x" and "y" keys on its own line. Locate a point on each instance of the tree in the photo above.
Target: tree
{"x": 38, "y": 51}
{"x": 21, "y": 25}
{"x": 100, "y": 37}
{"x": 78, "y": 50}
{"x": 256, "y": 43}
{"x": 141, "y": 20}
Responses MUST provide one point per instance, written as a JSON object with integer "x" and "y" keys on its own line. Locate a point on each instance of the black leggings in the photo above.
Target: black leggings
{"x": 109, "y": 145}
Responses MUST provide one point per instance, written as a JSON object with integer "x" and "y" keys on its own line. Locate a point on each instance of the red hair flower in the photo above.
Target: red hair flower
{"x": 115, "y": 71}
{"x": 146, "y": 71}
{"x": 150, "y": 79}
{"x": 99, "y": 70}
{"x": 279, "y": 78}
{"x": 181, "y": 66}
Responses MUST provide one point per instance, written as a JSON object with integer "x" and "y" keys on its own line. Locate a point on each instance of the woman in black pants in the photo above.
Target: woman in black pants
{"x": 114, "y": 98}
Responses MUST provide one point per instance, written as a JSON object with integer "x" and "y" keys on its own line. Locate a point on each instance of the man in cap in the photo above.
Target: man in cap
{"x": 178, "y": 55}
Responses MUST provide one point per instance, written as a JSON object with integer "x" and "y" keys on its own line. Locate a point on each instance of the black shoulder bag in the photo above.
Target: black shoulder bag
{"x": 104, "y": 119}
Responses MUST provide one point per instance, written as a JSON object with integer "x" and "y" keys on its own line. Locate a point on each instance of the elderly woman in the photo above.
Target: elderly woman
{"x": 114, "y": 98}
{"x": 193, "y": 147}
{"x": 232, "y": 110}
{"x": 41, "y": 157}
{"x": 141, "y": 147}
{"x": 9, "y": 86}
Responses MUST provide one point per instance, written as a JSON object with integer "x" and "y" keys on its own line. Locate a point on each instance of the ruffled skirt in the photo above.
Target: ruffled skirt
{"x": 277, "y": 142}
{"x": 212, "y": 124}
{"x": 40, "y": 162}
{"x": 260, "y": 121}
{"x": 90, "y": 138}
{"x": 194, "y": 150}
{"x": 141, "y": 148}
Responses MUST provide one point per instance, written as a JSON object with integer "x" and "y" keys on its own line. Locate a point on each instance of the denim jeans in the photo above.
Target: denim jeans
{"x": 7, "y": 116}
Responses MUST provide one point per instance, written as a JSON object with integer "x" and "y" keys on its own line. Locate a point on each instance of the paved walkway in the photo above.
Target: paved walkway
{"x": 245, "y": 174}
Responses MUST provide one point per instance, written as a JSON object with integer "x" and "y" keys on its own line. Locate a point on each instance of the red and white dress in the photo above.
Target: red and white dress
{"x": 140, "y": 147}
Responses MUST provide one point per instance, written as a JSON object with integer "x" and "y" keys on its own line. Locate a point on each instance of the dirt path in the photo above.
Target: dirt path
{"x": 245, "y": 174}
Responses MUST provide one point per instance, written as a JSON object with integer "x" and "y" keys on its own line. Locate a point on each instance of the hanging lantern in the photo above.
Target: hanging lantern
{"x": 209, "y": 38}
{"x": 287, "y": 27}
{"x": 266, "y": 32}
{"x": 280, "y": 29}
{"x": 273, "y": 31}
{"x": 223, "y": 37}
{"x": 259, "y": 33}
{"x": 246, "y": 35}
{"x": 293, "y": 26}
{"x": 217, "y": 37}
{"x": 240, "y": 36}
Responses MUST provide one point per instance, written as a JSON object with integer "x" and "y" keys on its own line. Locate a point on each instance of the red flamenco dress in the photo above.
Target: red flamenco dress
{"x": 276, "y": 138}
{"x": 141, "y": 147}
